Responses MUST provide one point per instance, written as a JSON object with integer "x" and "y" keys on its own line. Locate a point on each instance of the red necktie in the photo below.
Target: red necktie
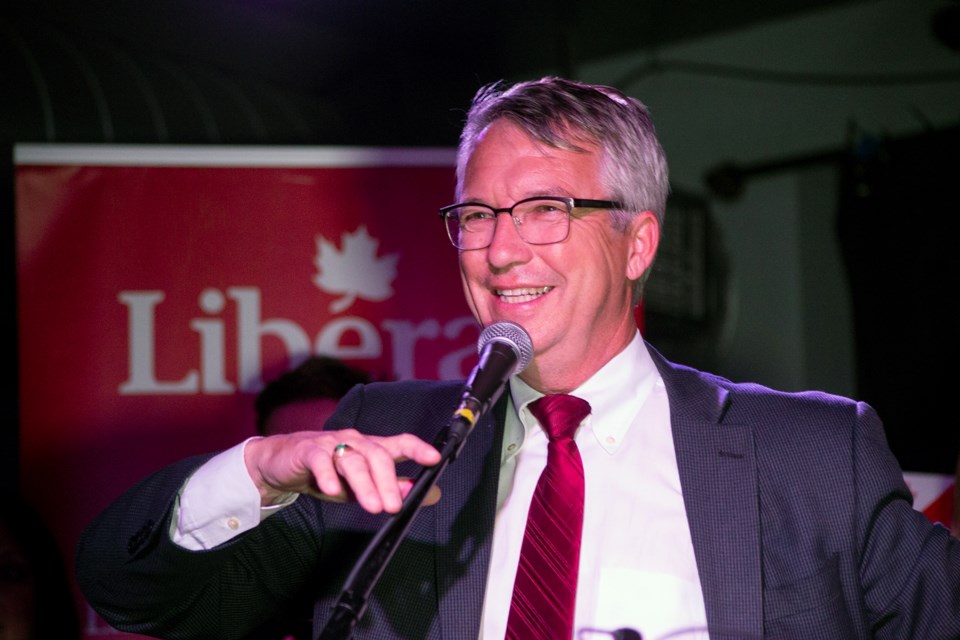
{"x": 545, "y": 590}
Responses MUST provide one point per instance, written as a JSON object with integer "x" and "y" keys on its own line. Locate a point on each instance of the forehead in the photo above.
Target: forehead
{"x": 505, "y": 154}
{"x": 559, "y": 136}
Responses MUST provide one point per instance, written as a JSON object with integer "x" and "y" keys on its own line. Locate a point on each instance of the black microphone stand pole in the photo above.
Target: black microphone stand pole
{"x": 367, "y": 571}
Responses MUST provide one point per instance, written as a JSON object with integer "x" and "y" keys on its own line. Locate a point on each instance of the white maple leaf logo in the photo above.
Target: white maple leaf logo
{"x": 356, "y": 271}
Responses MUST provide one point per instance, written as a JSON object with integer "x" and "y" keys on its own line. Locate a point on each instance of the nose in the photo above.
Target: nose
{"x": 506, "y": 246}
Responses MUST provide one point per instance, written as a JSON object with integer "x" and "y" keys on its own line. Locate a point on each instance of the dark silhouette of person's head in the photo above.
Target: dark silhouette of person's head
{"x": 36, "y": 601}
{"x": 298, "y": 400}
{"x": 304, "y": 397}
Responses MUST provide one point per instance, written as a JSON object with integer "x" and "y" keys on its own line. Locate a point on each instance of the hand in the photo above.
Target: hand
{"x": 304, "y": 462}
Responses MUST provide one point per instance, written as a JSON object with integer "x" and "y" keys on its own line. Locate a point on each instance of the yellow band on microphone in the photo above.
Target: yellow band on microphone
{"x": 467, "y": 415}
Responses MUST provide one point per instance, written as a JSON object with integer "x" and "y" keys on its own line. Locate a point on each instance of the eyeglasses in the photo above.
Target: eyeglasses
{"x": 539, "y": 220}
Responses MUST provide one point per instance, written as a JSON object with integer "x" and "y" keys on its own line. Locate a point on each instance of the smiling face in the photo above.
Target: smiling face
{"x": 572, "y": 297}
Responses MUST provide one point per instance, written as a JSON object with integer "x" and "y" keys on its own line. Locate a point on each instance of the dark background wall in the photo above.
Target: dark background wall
{"x": 294, "y": 72}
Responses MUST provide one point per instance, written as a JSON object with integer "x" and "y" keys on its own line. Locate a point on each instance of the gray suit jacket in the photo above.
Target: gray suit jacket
{"x": 802, "y": 528}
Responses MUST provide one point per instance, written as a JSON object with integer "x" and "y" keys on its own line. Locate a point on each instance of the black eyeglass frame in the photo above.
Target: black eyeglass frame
{"x": 572, "y": 203}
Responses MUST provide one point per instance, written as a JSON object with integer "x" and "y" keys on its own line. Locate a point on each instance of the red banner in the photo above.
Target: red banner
{"x": 158, "y": 289}
{"x": 933, "y": 495}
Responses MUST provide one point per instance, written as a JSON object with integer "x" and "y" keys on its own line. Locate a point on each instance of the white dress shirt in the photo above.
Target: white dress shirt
{"x": 637, "y": 568}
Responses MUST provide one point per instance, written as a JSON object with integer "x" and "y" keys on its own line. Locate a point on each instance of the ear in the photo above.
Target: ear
{"x": 644, "y": 232}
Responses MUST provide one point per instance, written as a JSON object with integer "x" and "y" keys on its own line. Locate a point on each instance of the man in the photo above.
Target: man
{"x": 708, "y": 505}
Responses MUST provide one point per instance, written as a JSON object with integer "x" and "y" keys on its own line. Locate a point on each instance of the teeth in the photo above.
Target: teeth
{"x": 521, "y": 295}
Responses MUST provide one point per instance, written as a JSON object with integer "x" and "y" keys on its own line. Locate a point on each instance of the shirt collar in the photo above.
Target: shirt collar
{"x": 615, "y": 393}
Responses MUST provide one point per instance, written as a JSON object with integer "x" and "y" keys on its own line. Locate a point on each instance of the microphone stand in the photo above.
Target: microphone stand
{"x": 367, "y": 571}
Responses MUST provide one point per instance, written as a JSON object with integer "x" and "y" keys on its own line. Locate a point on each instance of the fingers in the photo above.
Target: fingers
{"x": 304, "y": 462}
{"x": 368, "y": 483}
{"x": 338, "y": 466}
{"x": 368, "y": 467}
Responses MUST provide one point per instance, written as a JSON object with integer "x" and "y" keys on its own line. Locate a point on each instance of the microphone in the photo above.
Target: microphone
{"x": 505, "y": 349}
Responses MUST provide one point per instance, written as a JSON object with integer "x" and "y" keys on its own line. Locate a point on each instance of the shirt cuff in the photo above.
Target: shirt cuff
{"x": 219, "y": 502}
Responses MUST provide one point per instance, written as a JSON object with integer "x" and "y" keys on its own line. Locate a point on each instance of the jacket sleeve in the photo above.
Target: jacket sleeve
{"x": 909, "y": 568}
{"x": 140, "y": 581}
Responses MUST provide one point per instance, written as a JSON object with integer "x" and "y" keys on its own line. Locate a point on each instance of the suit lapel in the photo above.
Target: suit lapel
{"x": 718, "y": 476}
{"x": 464, "y": 526}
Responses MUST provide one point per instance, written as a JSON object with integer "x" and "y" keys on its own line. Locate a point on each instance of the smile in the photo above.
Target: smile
{"x": 514, "y": 296}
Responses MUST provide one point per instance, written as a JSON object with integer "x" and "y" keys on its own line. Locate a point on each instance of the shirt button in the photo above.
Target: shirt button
{"x": 233, "y": 523}
{"x": 512, "y": 447}
{"x": 611, "y": 440}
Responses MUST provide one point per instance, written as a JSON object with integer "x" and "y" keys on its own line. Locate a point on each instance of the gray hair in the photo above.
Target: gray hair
{"x": 566, "y": 114}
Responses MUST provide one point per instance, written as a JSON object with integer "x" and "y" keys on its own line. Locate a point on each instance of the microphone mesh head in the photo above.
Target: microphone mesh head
{"x": 512, "y": 334}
